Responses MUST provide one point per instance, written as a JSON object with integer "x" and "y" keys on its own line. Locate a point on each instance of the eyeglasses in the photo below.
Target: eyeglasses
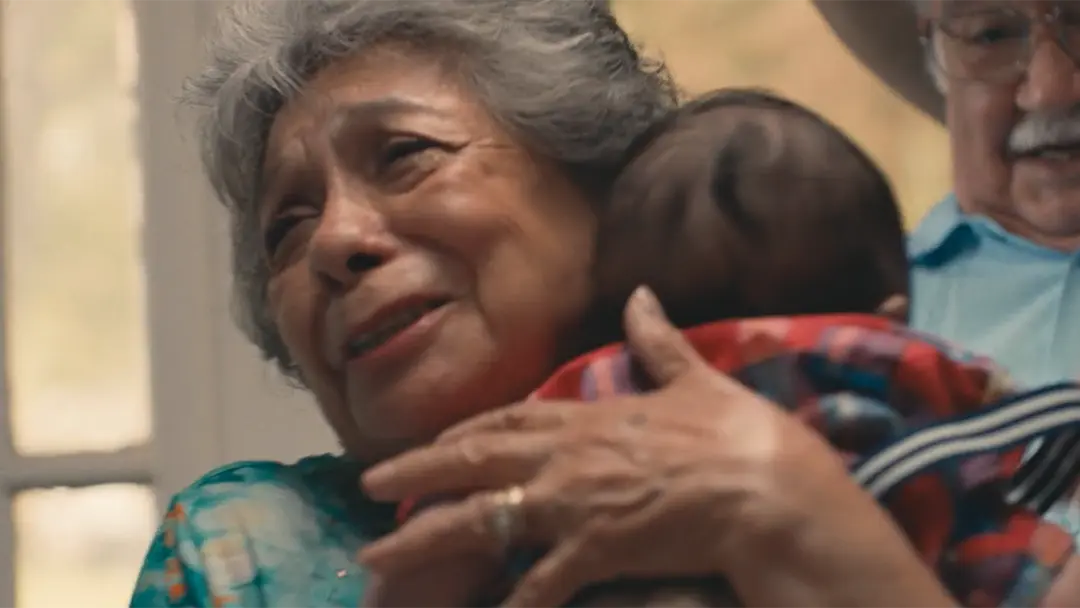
{"x": 996, "y": 45}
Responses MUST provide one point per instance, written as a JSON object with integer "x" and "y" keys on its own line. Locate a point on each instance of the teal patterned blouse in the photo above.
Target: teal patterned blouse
{"x": 256, "y": 534}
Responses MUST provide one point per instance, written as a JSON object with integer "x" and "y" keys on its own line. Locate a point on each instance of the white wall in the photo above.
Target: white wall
{"x": 215, "y": 400}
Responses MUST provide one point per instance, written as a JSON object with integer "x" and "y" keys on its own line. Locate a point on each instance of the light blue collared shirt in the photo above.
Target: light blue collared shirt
{"x": 997, "y": 294}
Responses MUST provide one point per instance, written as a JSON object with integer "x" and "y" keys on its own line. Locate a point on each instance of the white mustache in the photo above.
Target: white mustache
{"x": 1045, "y": 130}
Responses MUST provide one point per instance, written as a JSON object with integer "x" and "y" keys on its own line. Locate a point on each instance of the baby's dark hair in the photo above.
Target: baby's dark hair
{"x": 744, "y": 204}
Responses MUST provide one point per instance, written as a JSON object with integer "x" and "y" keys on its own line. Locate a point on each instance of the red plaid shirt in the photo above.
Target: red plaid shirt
{"x": 935, "y": 433}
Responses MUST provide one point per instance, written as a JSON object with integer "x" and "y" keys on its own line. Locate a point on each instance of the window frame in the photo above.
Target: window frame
{"x": 181, "y": 248}
{"x": 181, "y": 254}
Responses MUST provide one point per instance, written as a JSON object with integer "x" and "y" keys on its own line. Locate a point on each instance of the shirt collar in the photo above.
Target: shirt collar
{"x": 941, "y": 234}
{"x": 943, "y": 221}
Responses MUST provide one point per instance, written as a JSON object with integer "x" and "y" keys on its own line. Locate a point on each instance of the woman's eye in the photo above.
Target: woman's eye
{"x": 401, "y": 149}
{"x": 278, "y": 230}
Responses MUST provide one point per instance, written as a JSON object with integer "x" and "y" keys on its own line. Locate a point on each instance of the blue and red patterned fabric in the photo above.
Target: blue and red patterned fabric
{"x": 936, "y": 434}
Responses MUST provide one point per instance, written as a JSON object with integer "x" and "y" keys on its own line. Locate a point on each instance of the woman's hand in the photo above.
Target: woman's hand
{"x": 701, "y": 477}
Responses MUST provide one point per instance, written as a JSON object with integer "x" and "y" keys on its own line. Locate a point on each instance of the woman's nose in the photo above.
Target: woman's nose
{"x": 350, "y": 241}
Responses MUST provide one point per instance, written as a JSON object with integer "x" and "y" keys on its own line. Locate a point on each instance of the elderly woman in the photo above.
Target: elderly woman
{"x": 413, "y": 187}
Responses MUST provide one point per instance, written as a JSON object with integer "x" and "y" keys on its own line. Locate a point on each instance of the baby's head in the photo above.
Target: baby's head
{"x": 743, "y": 204}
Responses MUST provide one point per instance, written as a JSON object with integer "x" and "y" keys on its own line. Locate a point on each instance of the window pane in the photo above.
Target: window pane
{"x": 76, "y": 349}
{"x": 785, "y": 46}
{"x": 80, "y": 547}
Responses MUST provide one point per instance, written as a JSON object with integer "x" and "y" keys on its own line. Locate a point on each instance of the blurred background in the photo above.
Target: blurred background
{"x": 79, "y": 331}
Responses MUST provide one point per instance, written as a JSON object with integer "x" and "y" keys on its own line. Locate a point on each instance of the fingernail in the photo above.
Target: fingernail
{"x": 644, "y": 300}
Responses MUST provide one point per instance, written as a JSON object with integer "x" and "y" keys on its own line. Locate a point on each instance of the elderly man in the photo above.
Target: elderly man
{"x": 994, "y": 264}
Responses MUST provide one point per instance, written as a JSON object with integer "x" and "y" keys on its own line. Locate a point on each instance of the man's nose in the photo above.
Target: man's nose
{"x": 351, "y": 239}
{"x": 1052, "y": 81}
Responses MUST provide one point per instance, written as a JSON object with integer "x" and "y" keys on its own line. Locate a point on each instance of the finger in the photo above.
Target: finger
{"x": 531, "y": 415}
{"x": 473, "y": 462}
{"x": 657, "y": 344}
{"x": 442, "y": 532}
{"x": 662, "y": 348}
{"x": 436, "y": 534}
{"x": 896, "y": 308}
{"x": 457, "y": 582}
{"x": 557, "y": 577}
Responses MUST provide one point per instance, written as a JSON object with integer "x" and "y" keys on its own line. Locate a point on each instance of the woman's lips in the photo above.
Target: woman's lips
{"x": 387, "y": 328}
{"x": 396, "y": 336}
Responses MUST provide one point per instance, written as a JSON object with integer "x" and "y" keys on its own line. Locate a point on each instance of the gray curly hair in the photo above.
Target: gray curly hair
{"x": 559, "y": 74}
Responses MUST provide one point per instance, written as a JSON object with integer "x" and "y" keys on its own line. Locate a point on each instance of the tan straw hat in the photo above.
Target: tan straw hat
{"x": 883, "y": 35}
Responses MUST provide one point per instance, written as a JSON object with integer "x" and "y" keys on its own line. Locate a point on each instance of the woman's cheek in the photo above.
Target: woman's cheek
{"x": 293, "y": 303}
{"x": 297, "y": 310}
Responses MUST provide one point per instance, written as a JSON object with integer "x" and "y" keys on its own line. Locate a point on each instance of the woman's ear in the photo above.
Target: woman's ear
{"x": 894, "y": 307}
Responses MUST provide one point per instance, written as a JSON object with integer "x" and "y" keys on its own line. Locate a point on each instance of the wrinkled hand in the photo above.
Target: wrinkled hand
{"x": 700, "y": 477}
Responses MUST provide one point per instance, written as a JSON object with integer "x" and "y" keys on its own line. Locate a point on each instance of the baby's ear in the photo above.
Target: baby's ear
{"x": 894, "y": 307}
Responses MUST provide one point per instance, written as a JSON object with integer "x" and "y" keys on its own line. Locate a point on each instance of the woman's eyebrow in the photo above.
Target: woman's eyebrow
{"x": 376, "y": 110}
{"x": 343, "y": 122}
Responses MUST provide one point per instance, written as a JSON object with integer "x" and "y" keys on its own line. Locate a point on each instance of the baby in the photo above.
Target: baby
{"x": 778, "y": 246}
